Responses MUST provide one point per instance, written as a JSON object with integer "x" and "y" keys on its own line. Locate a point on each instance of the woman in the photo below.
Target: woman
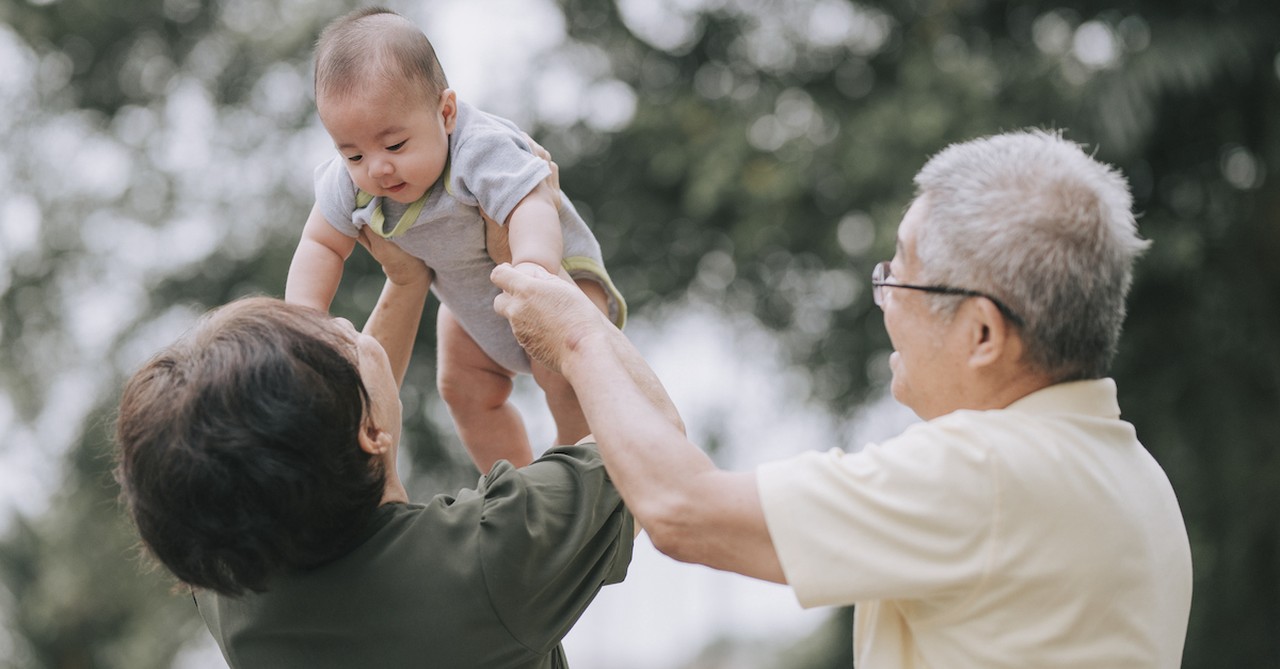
{"x": 257, "y": 456}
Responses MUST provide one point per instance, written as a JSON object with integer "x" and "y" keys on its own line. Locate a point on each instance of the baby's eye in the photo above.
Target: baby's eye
{"x": 354, "y": 159}
{"x": 397, "y": 147}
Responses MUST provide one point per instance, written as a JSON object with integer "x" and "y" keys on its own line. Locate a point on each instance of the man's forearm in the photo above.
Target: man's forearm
{"x": 644, "y": 378}
{"x": 632, "y": 417}
{"x": 693, "y": 511}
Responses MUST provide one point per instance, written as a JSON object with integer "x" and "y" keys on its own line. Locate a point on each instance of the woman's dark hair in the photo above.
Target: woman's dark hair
{"x": 238, "y": 450}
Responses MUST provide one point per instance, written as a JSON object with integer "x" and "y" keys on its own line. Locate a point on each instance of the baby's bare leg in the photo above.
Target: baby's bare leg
{"x": 477, "y": 391}
{"x": 571, "y": 424}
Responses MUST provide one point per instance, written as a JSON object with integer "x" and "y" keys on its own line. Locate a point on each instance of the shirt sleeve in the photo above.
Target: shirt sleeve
{"x": 552, "y": 533}
{"x": 336, "y": 195}
{"x": 494, "y": 170}
{"x": 914, "y": 516}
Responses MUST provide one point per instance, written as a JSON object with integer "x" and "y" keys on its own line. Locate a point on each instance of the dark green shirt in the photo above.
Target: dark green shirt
{"x": 492, "y": 577}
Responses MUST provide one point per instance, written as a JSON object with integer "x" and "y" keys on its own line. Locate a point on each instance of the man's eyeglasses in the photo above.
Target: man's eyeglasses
{"x": 880, "y": 280}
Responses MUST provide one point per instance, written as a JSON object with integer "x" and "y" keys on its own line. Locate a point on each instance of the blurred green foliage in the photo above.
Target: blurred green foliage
{"x": 767, "y": 163}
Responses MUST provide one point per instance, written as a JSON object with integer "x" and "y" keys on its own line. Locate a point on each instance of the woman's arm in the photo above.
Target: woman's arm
{"x": 395, "y": 319}
{"x": 316, "y": 268}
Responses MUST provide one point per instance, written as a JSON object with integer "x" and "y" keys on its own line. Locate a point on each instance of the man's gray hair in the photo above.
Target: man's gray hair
{"x": 1033, "y": 220}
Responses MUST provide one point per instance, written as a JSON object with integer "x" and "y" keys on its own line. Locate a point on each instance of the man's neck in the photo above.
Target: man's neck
{"x": 1000, "y": 391}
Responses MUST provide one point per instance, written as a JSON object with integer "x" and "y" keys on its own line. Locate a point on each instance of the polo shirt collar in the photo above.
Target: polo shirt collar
{"x": 1093, "y": 397}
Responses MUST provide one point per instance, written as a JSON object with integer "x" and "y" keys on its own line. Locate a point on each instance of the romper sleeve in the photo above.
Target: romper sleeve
{"x": 552, "y": 533}
{"x": 336, "y": 195}
{"x": 493, "y": 169}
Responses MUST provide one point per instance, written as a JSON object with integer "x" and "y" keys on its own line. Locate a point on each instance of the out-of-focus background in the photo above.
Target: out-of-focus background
{"x": 744, "y": 164}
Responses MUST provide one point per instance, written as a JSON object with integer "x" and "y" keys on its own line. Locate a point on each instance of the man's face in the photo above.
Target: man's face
{"x": 928, "y": 357}
{"x": 392, "y": 148}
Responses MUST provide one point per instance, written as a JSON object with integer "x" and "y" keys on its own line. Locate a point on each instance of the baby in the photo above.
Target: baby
{"x": 424, "y": 170}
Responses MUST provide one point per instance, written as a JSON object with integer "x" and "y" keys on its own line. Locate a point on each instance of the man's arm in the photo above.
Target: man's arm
{"x": 692, "y": 510}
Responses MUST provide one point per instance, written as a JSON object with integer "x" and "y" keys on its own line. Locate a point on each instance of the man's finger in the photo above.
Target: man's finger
{"x": 504, "y": 276}
{"x": 502, "y": 305}
{"x": 507, "y": 277}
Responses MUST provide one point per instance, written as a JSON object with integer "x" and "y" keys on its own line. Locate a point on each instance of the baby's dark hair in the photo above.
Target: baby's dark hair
{"x": 376, "y": 45}
{"x": 238, "y": 452}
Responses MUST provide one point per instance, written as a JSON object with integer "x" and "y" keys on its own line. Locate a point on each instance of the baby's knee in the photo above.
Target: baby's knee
{"x": 552, "y": 383}
{"x": 466, "y": 387}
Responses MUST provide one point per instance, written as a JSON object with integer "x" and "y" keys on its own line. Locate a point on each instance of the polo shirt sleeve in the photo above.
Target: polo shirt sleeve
{"x": 551, "y": 534}
{"x": 493, "y": 169}
{"x": 913, "y": 517}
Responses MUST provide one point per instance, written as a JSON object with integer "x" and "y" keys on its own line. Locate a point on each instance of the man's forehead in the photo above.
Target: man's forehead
{"x": 908, "y": 229}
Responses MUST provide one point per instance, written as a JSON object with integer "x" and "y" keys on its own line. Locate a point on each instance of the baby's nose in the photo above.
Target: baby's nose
{"x": 380, "y": 168}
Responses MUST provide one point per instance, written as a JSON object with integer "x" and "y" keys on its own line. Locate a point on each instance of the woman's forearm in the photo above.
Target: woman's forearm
{"x": 395, "y": 320}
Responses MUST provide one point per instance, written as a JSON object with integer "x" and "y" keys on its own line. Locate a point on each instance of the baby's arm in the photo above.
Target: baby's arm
{"x": 533, "y": 229}
{"x": 317, "y": 264}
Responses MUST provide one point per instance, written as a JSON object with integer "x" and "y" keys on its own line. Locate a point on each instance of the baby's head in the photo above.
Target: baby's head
{"x": 376, "y": 49}
{"x": 384, "y": 100}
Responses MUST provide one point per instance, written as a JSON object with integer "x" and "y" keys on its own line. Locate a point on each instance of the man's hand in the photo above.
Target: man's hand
{"x": 548, "y": 316}
{"x": 401, "y": 268}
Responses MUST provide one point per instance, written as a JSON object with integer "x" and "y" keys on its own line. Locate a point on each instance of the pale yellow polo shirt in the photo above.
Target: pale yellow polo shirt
{"x": 1038, "y": 536}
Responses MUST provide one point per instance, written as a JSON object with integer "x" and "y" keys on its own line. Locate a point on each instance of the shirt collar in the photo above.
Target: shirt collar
{"x": 1095, "y": 397}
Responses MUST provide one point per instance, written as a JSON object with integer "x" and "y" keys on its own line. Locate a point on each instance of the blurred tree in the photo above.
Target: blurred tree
{"x": 765, "y": 168}
{"x": 77, "y": 599}
{"x": 177, "y": 133}
{"x": 771, "y": 155}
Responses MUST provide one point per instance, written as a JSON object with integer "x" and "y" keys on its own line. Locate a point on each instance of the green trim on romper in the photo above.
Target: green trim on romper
{"x": 578, "y": 267}
{"x": 583, "y": 267}
{"x": 378, "y": 222}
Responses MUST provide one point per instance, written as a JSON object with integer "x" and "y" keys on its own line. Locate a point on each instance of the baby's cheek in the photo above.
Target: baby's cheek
{"x": 357, "y": 176}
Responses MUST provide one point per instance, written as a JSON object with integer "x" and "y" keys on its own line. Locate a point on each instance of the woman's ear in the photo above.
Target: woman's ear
{"x": 374, "y": 440}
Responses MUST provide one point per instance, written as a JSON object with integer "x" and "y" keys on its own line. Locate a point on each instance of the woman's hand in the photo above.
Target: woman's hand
{"x": 552, "y": 181}
{"x": 400, "y": 267}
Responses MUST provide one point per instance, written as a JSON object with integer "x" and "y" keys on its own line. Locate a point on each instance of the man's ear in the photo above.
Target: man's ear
{"x": 374, "y": 440}
{"x": 990, "y": 335}
{"x": 449, "y": 109}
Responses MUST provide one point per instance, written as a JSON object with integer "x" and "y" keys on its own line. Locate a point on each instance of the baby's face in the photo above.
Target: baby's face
{"x": 392, "y": 147}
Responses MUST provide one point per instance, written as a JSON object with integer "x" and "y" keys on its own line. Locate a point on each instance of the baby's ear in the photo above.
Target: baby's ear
{"x": 449, "y": 109}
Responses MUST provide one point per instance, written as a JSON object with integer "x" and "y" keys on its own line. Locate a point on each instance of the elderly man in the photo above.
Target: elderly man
{"x": 1022, "y": 524}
